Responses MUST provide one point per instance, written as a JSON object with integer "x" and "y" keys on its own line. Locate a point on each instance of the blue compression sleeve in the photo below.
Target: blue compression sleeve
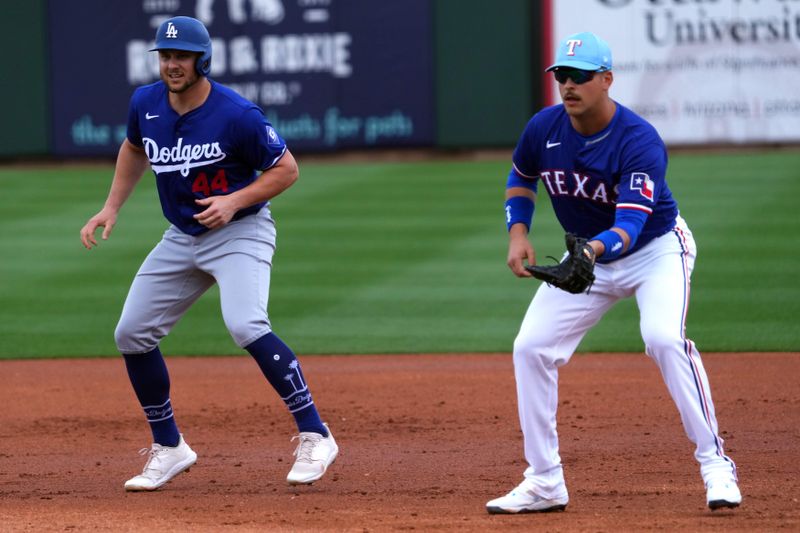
{"x": 632, "y": 222}
{"x": 515, "y": 180}
{"x": 629, "y": 220}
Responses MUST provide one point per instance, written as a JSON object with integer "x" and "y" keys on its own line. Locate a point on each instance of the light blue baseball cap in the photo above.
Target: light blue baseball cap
{"x": 585, "y": 51}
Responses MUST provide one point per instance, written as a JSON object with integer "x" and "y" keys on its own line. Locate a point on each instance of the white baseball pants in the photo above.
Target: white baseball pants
{"x": 556, "y": 321}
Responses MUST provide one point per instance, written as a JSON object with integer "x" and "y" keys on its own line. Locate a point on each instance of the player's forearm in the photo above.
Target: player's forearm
{"x": 131, "y": 165}
{"x": 518, "y": 231}
{"x": 520, "y": 191}
{"x": 269, "y": 184}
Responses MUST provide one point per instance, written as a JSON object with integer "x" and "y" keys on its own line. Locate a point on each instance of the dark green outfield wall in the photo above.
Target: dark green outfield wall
{"x": 24, "y": 91}
{"x": 483, "y": 71}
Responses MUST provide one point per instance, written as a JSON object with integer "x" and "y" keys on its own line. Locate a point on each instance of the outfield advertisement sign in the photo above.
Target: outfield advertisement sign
{"x": 328, "y": 73}
{"x": 713, "y": 71}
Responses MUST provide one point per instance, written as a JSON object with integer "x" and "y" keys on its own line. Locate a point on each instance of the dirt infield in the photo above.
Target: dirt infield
{"x": 425, "y": 442}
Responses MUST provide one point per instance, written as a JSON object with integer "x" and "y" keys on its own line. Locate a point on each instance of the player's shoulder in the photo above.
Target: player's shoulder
{"x": 548, "y": 115}
{"x": 545, "y": 121}
{"x": 634, "y": 125}
{"x": 227, "y": 97}
{"x": 150, "y": 92}
{"x": 638, "y": 140}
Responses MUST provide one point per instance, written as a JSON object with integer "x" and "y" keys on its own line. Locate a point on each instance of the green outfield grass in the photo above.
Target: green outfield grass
{"x": 396, "y": 257}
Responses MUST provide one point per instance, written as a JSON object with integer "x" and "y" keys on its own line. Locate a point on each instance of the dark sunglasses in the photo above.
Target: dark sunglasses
{"x": 579, "y": 77}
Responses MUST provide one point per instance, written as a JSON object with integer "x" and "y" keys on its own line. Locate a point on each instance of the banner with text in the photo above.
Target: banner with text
{"x": 713, "y": 71}
{"x": 327, "y": 73}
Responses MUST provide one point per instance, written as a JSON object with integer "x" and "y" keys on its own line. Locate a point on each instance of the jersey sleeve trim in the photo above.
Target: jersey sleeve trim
{"x": 518, "y": 171}
{"x": 636, "y": 207}
{"x": 275, "y": 161}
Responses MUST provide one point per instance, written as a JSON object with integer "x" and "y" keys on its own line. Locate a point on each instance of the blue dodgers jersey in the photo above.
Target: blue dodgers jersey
{"x": 218, "y": 148}
{"x": 589, "y": 178}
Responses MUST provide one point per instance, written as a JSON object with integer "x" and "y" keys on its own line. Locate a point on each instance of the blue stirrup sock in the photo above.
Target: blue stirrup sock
{"x": 150, "y": 380}
{"x": 282, "y": 369}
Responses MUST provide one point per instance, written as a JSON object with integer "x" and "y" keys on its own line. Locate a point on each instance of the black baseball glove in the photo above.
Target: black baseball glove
{"x": 575, "y": 273}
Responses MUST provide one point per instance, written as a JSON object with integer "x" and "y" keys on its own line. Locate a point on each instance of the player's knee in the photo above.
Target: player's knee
{"x": 245, "y": 332}
{"x": 660, "y": 340}
{"x": 130, "y": 339}
{"x": 528, "y": 347}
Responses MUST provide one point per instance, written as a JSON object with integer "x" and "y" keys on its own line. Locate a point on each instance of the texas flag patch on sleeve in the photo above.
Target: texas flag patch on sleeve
{"x": 641, "y": 182}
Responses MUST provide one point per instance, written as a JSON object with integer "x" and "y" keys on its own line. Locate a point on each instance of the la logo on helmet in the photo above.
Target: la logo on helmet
{"x": 172, "y": 31}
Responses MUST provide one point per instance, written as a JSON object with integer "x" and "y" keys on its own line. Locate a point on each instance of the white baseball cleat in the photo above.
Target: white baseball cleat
{"x": 722, "y": 492}
{"x": 314, "y": 454}
{"x": 524, "y": 500}
{"x": 163, "y": 464}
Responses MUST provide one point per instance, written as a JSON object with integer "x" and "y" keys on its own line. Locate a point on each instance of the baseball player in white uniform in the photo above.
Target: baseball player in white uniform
{"x": 604, "y": 169}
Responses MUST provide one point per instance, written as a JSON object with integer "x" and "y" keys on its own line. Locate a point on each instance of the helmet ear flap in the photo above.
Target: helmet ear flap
{"x": 203, "y": 64}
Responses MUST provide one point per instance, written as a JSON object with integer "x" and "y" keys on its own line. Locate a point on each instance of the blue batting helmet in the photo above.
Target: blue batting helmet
{"x": 186, "y": 33}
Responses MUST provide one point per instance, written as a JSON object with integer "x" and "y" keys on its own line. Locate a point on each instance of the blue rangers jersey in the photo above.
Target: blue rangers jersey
{"x": 218, "y": 148}
{"x": 589, "y": 178}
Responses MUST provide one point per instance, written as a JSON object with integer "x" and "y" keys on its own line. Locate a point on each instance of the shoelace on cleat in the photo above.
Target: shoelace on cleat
{"x": 153, "y": 452}
{"x": 306, "y": 446}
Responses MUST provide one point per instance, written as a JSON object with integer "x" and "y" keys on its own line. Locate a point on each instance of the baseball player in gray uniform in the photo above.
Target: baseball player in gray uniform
{"x": 217, "y": 164}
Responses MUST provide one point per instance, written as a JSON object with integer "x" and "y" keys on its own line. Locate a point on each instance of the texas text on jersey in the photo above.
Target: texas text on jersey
{"x": 589, "y": 178}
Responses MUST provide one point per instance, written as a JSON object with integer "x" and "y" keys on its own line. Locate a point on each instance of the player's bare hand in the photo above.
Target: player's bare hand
{"x": 520, "y": 251}
{"x": 105, "y": 219}
{"x": 219, "y": 211}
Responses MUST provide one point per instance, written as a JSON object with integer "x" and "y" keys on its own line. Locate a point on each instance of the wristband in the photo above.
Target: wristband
{"x": 612, "y": 241}
{"x": 519, "y": 209}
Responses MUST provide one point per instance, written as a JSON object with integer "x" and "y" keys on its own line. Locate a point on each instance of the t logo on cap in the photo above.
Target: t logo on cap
{"x": 571, "y": 44}
{"x": 583, "y": 51}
